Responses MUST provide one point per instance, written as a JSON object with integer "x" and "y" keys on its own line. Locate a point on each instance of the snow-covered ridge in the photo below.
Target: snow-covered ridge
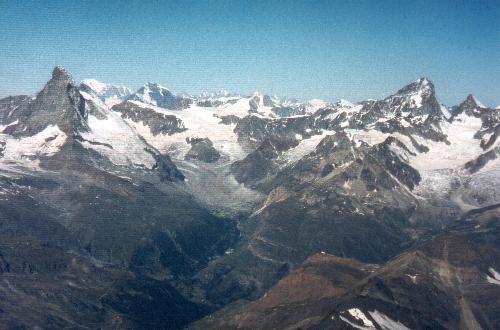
{"x": 200, "y": 122}
{"x": 107, "y": 93}
{"x": 122, "y": 138}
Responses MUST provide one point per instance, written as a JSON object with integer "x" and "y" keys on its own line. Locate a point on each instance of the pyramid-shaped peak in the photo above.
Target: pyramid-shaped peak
{"x": 471, "y": 99}
{"x": 419, "y": 85}
{"x": 60, "y": 73}
{"x": 471, "y": 107}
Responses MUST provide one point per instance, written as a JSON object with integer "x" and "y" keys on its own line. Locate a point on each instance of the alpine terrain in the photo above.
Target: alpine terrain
{"x": 148, "y": 209}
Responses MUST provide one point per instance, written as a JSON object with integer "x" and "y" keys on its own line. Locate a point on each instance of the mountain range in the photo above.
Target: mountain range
{"x": 151, "y": 209}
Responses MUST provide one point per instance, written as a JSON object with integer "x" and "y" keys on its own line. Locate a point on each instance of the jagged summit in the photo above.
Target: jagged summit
{"x": 289, "y": 178}
{"x": 471, "y": 107}
{"x": 60, "y": 73}
{"x": 58, "y": 104}
{"x": 473, "y": 101}
{"x": 422, "y": 86}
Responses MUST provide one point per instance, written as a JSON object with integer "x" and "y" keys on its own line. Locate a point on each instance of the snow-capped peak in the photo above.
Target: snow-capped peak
{"x": 470, "y": 106}
{"x": 154, "y": 94}
{"x": 344, "y": 103}
{"x": 313, "y": 105}
{"x": 107, "y": 93}
{"x": 60, "y": 73}
{"x": 96, "y": 86}
{"x": 423, "y": 81}
{"x": 419, "y": 86}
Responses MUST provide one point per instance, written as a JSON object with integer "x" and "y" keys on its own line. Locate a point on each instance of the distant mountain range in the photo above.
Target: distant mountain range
{"x": 150, "y": 209}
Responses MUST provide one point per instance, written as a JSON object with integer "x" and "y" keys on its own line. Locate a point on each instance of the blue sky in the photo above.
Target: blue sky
{"x": 304, "y": 49}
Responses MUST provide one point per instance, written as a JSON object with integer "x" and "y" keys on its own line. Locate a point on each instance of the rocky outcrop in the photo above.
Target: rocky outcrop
{"x": 158, "y": 123}
{"x": 202, "y": 149}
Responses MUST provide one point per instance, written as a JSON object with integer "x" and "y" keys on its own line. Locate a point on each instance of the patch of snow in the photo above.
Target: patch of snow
{"x": 413, "y": 278}
{"x": 367, "y": 324}
{"x": 46, "y": 142}
{"x": 496, "y": 276}
{"x": 305, "y": 147}
{"x": 416, "y": 100}
{"x": 359, "y": 315}
{"x": 354, "y": 325}
{"x": 386, "y": 323}
{"x": 3, "y": 127}
{"x": 444, "y": 111}
{"x": 371, "y": 137}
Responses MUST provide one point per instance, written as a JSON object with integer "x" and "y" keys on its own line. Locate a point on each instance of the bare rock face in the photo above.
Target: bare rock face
{"x": 59, "y": 103}
{"x": 202, "y": 149}
{"x": 159, "y": 123}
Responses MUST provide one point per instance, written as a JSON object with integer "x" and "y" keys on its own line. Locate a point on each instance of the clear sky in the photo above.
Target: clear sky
{"x": 303, "y": 49}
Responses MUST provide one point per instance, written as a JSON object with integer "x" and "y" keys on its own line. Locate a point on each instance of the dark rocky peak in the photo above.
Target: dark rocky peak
{"x": 473, "y": 102}
{"x": 58, "y": 103}
{"x": 60, "y": 74}
{"x": 265, "y": 100}
{"x": 413, "y": 107}
{"x": 416, "y": 98}
{"x": 471, "y": 107}
{"x": 422, "y": 85}
{"x": 382, "y": 158}
{"x": 336, "y": 142}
